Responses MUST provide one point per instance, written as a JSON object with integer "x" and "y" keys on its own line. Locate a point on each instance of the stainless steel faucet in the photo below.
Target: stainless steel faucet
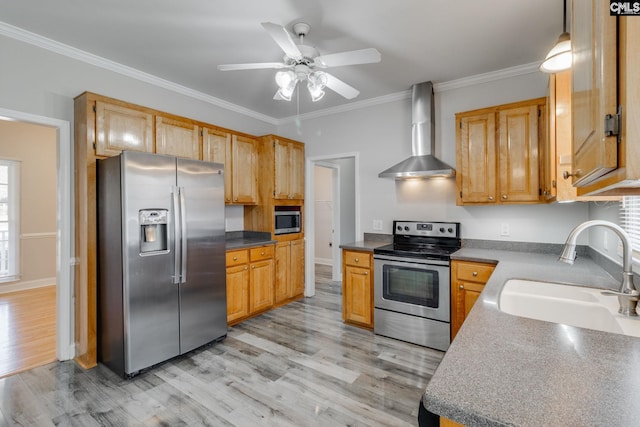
{"x": 628, "y": 296}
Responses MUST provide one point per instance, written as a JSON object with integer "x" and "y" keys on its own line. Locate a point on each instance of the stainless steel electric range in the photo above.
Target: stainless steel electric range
{"x": 412, "y": 283}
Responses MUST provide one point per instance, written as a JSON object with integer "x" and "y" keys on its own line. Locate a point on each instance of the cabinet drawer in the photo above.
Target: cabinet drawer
{"x": 359, "y": 259}
{"x": 263, "y": 252}
{"x": 237, "y": 258}
{"x": 473, "y": 271}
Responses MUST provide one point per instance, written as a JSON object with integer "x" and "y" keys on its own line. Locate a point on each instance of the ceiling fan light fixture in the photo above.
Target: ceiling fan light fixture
{"x": 316, "y": 83}
{"x": 559, "y": 57}
{"x": 285, "y": 78}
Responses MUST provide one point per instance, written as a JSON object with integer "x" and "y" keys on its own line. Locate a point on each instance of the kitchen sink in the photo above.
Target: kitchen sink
{"x": 566, "y": 304}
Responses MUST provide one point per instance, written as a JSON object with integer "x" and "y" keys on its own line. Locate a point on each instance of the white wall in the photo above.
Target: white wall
{"x": 381, "y": 134}
{"x": 607, "y": 211}
{"x": 38, "y": 81}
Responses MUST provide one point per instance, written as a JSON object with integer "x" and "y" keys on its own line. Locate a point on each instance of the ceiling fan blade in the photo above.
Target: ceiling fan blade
{"x": 251, "y": 66}
{"x": 353, "y": 57}
{"x": 340, "y": 87}
{"x": 283, "y": 38}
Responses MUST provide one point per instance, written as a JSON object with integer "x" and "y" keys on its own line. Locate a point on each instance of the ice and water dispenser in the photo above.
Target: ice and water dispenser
{"x": 153, "y": 230}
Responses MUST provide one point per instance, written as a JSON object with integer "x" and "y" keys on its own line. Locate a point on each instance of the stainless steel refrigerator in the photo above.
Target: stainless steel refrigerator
{"x": 161, "y": 259}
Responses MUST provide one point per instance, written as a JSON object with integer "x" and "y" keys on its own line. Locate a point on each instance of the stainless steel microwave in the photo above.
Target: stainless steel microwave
{"x": 287, "y": 221}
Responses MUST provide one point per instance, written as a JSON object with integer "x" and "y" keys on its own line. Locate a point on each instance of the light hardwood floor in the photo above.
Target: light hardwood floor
{"x": 27, "y": 329}
{"x": 298, "y": 365}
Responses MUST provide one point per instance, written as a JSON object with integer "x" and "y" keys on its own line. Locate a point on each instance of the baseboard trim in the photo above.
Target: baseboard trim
{"x": 23, "y": 286}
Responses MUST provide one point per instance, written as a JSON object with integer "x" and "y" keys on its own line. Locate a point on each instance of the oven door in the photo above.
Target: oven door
{"x": 413, "y": 286}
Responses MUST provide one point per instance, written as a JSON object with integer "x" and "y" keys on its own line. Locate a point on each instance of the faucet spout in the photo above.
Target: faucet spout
{"x": 628, "y": 295}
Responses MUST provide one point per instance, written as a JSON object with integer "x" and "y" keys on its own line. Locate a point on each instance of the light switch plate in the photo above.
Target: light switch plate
{"x": 377, "y": 224}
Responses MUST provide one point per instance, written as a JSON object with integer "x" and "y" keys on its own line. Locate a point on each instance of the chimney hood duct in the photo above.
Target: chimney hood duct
{"x": 422, "y": 164}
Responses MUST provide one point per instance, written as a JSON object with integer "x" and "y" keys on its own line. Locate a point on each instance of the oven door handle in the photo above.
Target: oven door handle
{"x": 423, "y": 261}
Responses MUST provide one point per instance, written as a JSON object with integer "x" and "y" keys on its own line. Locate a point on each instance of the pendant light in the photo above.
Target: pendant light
{"x": 559, "y": 57}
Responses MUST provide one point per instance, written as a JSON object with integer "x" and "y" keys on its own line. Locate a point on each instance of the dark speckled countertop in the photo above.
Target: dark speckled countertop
{"x": 247, "y": 239}
{"x": 504, "y": 370}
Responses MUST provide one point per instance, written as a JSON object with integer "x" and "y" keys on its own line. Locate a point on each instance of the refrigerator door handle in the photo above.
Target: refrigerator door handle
{"x": 177, "y": 235}
{"x": 183, "y": 237}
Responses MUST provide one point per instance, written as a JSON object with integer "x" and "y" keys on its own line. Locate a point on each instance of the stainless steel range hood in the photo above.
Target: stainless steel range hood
{"x": 422, "y": 164}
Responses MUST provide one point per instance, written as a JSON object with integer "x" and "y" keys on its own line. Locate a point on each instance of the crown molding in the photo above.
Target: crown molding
{"x": 98, "y": 61}
{"x": 89, "y": 58}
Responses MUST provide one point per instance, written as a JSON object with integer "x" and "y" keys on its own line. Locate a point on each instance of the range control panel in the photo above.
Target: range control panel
{"x": 429, "y": 229}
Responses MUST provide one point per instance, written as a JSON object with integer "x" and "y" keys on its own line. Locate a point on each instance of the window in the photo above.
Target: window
{"x": 630, "y": 215}
{"x": 9, "y": 220}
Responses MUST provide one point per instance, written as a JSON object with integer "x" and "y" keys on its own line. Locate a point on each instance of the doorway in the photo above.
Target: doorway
{"x": 344, "y": 211}
{"x": 64, "y": 342}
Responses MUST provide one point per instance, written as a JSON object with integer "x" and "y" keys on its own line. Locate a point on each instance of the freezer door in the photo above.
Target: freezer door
{"x": 151, "y": 301}
{"x": 203, "y": 301}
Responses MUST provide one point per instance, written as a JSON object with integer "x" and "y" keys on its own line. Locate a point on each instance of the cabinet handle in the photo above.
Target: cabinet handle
{"x": 235, "y": 200}
{"x": 567, "y": 174}
{"x": 491, "y": 198}
{"x": 246, "y": 268}
{"x": 253, "y": 266}
{"x": 235, "y": 258}
{"x": 366, "y": 273}
{"x": 356, "y": 260}
{"x": 504, "y": 197}
{"x": 475, "y": 273}
{"x": 262, "y": 253}
{"x": 461, "y": 286}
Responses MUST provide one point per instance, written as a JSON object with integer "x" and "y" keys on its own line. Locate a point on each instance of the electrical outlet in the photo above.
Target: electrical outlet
{"x": 504, "y": 230}
{"x": 377, "y": 224}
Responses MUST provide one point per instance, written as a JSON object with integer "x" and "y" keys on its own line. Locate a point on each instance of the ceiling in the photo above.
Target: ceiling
{"x": 184, "y": 41}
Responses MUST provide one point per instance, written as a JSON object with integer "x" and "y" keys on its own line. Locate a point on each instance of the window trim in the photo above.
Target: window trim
{"x": 630, "y": 221}
{"x": 13, "y": 220}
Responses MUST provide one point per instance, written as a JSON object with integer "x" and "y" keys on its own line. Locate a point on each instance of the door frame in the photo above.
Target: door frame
{"x": 336, "y": 272}
{"x": 309, "y": 222}
{"x": 65, "y": 346}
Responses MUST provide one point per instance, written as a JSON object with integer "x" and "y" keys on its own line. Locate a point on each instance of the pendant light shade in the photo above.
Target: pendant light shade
{"x": 559, "y": 57}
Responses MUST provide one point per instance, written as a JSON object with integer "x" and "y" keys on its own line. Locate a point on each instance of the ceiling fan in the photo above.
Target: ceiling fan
{"x": 303, "y": 62}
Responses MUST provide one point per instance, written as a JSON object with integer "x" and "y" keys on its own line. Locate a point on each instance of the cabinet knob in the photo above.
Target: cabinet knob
{"x": 356, "y": 259}
{"x": 491, "y": 198}
{"x": 475, "y": 273}
{"x": 504, "y": 197}
{"x": 253, "y": 266}
{"x": 262, "y": 253}
{"x": 567, "y": 174}
{"x": 461, "y": 286}
{"x": 246, "y": 268}
{"x": 235, "y": 200}
{"x": 235, "y": 258}
{"x": 366, "y": 273}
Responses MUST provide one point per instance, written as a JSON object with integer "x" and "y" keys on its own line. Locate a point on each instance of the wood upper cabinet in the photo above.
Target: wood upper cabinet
{"x": 559, "y": 150}
{"x": 467, "y": 282}
{"x": 177, "y": 138}
{"x": 289, "y": 270}
{"x": 240, "y": 158}
{"x": 605, "y": 82}
{"x": 357, "y": 288}
{"x": 503, "y": 142}
{"x": 477, "y": 158}
{"x": 288, "y": 169}
{"x": 121, "y": 128}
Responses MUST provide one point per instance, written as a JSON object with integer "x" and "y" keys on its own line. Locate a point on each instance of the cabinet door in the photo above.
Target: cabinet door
{"x": 594, "y": 75}
{"x": 244, "y": 158}
{"x": 296, "y": 171}
{"x": 237, "y": 292}
{"x": 281, "y": 170}
{"x": 120, "y": 128}
{"x": 357, "y": 295}
{"x": 177, "y": 138}
{"x": 261, "y": 280}
{"x": 283, "y": 271}
{"x": 216, "y": 147}
{"x": 476, "y": 158}
{"x": 297, "y": 267}
{"x": 519, "y": 161}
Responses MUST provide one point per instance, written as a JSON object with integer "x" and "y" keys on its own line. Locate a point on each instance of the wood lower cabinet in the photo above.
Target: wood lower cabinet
{"x": 498, "y": 154}
{"x": 250, "y": 278}
{"x": 289, "y": 271}
{"x": 446, "y": 422}
{"x": 467, "y": 282}
{"x": 357, "y": 288}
